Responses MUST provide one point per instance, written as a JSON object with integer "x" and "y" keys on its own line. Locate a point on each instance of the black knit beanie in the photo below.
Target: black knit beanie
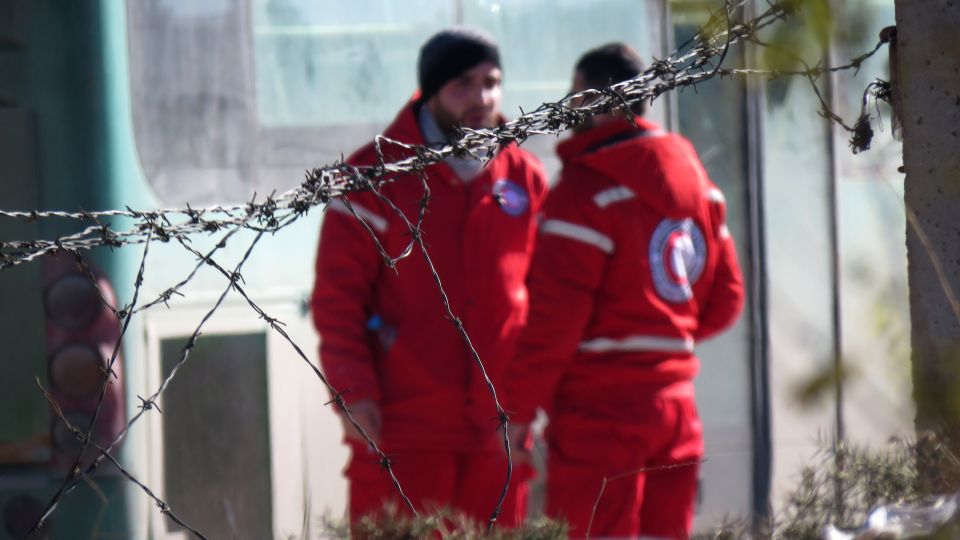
{"x": 451, "y": 52}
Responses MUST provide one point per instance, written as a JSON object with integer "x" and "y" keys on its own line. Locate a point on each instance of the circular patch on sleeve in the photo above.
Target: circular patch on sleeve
{"x": 678, "y": 253}
{"x": 510, "y": 197}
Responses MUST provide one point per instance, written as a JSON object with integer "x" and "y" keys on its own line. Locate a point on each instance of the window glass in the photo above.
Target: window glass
{"x": 876, "y": 325}
{"x": 538, "y": 65}
{"x": 216, "y": 446}
{"x": 333, "y": 63}
{"x": 232, "y": 98}
{"x": 193, "y": 100}
{"x": 714, "y": 118}
{"x": 797, "y": 175}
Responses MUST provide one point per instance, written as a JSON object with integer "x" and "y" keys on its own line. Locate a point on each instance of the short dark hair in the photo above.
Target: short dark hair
{"x": 610, "y": 64}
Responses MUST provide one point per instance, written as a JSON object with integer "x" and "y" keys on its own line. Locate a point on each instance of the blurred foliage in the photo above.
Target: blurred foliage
{"x": 887, "y": 327}
{"x": 844, "y": 483}
{"x": 857, "y": 23}
{"x": 804, "y": 34}
{"x": 840, "y": 487}
{"x": 802, "y": 38}
{"x": 891, "y": 324}
{"x": 821, "y": 385}
{"x": 392, "y": 524}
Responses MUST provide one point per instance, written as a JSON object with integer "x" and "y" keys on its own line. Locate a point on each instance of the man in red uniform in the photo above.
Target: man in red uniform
{"x": 387, "y": 342}
{"x": 634, "y": 263}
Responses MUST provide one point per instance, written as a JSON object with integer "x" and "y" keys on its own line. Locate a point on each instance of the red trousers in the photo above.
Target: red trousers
{"x": 469, "y": 482}
{"x": 627, "y": 472}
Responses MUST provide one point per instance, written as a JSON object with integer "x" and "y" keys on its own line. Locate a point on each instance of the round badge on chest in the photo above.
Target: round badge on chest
{"x": 510, "y": 197}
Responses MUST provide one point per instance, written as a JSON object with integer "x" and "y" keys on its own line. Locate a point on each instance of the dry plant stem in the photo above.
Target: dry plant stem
{"x": 935, "y": 259}
{"x": 607, "y": 480}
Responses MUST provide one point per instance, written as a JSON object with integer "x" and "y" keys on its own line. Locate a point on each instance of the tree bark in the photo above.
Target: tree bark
{"x": 928, "y": 80}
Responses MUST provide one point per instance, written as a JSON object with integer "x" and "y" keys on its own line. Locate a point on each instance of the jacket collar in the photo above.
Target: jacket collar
{"x": 405, "y": 128}
{"x": 582, "y": 143}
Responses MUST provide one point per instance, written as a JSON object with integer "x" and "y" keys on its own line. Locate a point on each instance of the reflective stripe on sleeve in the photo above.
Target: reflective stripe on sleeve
{"x": 376, "y": 222}
{"x": 716, "y": 195}
{"x": 637, "y": 343}
{"x": 579, "y": 233}
{"x": 612, "y": 195}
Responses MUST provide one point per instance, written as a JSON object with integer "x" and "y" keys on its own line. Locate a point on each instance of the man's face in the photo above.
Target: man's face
{"x": 472, "y": 99}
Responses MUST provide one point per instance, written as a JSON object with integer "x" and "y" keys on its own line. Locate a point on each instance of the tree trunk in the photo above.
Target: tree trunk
{"x": 928, "y": 60}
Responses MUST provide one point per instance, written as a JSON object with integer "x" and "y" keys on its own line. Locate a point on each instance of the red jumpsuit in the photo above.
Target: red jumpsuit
{"x": 386, "y": 336}
{"x": 634, "y": 263}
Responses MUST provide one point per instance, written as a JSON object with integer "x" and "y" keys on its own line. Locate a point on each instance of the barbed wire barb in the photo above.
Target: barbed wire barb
{"x": 685, "y": 67}
{"x": 103, "y": 453}
{"x": 277, "y": 326}
{"x": 73, "y": 471}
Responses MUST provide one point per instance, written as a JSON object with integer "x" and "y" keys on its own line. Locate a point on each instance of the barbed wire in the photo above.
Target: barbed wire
{"x": 501, "y": 418}
{"x": 105, "y": 453}
{"x": 124, "y": 316}
{"x": 698, "y": 60}
{"x": 691, "y": 64}
{"x": 861, "y": 133}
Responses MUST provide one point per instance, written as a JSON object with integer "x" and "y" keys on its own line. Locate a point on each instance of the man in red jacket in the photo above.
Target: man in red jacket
{"x": 387, "y": 342}
{"x": 634, "y": 264}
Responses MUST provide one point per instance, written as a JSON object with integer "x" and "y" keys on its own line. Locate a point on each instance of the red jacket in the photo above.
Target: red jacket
{"x": 385, "y": 334}
{"x": 634, "y": 263}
